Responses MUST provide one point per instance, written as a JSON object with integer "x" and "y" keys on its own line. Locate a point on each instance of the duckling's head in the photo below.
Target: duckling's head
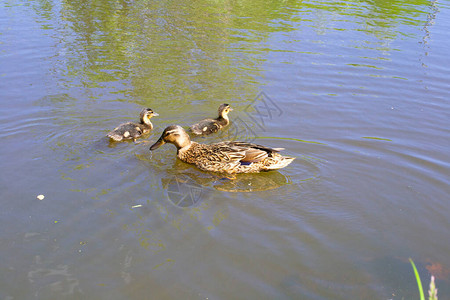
{"x": 173, "y": 134}
{"x": 146, "y": 115}
{"x": 224, "y": 109}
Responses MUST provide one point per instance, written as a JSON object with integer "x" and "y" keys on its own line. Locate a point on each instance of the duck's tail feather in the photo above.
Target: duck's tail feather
{"x": 279, "y": 163}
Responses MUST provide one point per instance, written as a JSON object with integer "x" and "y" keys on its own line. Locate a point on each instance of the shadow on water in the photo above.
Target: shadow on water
{"x": 190, "y": 183}
{"x": 195, "y": 184}
{"x": 395, "y": 271}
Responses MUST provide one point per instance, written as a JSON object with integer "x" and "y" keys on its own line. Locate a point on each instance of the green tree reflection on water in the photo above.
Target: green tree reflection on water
{"x": 188, "y": 51}
{"x": 166, "y": 47}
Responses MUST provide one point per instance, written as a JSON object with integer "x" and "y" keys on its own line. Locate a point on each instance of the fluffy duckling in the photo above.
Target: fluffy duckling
{"x": 130, "y": 130}
{"x": 208, "y": 126}
{"x": 225, "y": 157}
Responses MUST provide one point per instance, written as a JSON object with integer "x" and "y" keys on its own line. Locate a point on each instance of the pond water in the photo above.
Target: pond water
{"x": 357, "y": 91}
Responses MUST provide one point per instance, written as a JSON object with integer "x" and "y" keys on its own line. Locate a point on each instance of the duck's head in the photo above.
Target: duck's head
{"x": 146, "y": 115}
{"x": 224, "y": 109}
{"x": 173, "y": 134}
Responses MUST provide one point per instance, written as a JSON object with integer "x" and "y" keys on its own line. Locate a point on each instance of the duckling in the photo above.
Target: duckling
{"x": 132, "y": 130}
{"x": 208, "y": 126}
{"x": 225, "y": 157}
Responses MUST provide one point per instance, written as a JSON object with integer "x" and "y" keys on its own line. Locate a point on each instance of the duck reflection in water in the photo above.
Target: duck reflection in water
{"x": 186, "y": 186}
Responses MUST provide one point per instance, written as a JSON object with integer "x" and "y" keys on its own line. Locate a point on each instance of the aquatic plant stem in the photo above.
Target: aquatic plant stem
{"x": 419, "y": 282}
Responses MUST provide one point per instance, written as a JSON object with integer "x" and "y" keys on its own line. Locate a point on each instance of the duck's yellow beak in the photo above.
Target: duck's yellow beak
{"x": 158, "y": 144}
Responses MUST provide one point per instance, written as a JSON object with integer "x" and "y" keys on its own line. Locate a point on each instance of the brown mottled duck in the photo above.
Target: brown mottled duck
{"x": 226, "y": 157}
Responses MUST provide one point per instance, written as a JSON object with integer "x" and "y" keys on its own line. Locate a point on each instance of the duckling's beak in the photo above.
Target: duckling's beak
{"x": 158, "y": 144}
{"x": 155, "y": 114}
{"x": 230, "y": 108}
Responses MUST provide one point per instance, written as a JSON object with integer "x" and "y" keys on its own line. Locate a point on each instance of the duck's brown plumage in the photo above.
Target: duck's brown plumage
{"x": 228, "y": 157}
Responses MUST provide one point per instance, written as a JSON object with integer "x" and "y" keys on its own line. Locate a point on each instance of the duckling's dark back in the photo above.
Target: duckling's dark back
{"x": 207, "y": 126}
{"x": 128, "y": 130}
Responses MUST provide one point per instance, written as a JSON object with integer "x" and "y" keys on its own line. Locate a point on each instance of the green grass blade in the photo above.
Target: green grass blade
{"x": 419, "y": 282}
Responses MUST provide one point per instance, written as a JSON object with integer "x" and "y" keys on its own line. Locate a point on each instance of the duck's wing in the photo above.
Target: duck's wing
{"x": 255, "y": 146}
{"x": 246, "y": 152}
{"x": 225, "y": 152}
{"x": 254, "y": 155}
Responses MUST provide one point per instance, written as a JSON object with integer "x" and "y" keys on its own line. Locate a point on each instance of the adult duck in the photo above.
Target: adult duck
{"x": 225, "y": 157}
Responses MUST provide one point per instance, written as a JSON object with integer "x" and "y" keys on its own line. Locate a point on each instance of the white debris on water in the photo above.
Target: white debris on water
{"x": 40, "y": 197}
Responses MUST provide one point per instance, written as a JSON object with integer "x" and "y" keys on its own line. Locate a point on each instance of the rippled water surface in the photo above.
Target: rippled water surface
{"x": 356, "y": 91}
